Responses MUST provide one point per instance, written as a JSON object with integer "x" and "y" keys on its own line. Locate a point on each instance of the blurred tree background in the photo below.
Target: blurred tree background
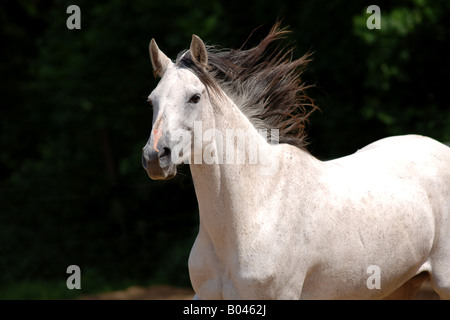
{"x": 74, "y": 118}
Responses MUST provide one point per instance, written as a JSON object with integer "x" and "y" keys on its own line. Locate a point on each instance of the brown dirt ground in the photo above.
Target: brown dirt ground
{"x": 165, "y": 292}
{"x": 156, "y": 292}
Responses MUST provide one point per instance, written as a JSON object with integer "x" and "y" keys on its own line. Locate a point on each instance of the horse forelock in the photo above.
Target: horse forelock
{"x": 264, "y": 82}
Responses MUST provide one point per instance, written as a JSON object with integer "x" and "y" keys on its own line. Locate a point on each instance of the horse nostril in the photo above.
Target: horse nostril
{"x": 165, "y": 153}
{"x": 164, "y": 158}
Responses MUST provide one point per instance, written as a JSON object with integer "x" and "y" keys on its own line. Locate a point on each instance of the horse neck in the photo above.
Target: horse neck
{"x": 225, "y": 191}
{"x": 226, "y": 120}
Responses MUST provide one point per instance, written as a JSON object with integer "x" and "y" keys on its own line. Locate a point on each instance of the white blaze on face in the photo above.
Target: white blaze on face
{"x": 157, "y": 133}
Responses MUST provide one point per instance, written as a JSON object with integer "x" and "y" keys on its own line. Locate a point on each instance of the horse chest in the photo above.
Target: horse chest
{"x": 249, "y": 268}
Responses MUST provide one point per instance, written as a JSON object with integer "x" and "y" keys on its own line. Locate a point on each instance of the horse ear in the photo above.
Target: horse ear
{"x": 198, "y": 51}
{"x": 160, "y": 61}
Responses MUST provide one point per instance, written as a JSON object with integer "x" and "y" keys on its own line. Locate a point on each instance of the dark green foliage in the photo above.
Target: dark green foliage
{"x": 74, "y": 118}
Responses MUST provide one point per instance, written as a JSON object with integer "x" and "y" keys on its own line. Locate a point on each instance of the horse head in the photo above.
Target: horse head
{"x": 178, "y": 101}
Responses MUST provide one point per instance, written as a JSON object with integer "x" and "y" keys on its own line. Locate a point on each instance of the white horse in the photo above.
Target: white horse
{"x": 374, "y": 224}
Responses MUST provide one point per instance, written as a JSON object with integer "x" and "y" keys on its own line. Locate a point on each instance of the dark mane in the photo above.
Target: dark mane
{"x": 263, "y": 82}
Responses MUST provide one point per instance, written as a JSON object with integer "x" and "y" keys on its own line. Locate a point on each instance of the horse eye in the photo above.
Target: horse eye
{"x": 195, "y": 98}
{"x": 150, "y": 102}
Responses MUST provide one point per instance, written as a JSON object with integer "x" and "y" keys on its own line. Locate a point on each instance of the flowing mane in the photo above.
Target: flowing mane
{"x": 264, "y": 82}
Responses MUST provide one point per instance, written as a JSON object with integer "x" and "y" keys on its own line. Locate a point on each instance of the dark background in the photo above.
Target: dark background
{"x": 74, "y": 117}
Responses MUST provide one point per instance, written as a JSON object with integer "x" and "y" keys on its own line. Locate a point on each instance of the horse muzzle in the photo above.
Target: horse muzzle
{"x": 158, "y": 164}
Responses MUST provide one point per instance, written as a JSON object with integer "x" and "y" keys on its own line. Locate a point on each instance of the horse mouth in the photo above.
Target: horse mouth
{"x": 161, "y": 173}
{"x": 159, "y": 165}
